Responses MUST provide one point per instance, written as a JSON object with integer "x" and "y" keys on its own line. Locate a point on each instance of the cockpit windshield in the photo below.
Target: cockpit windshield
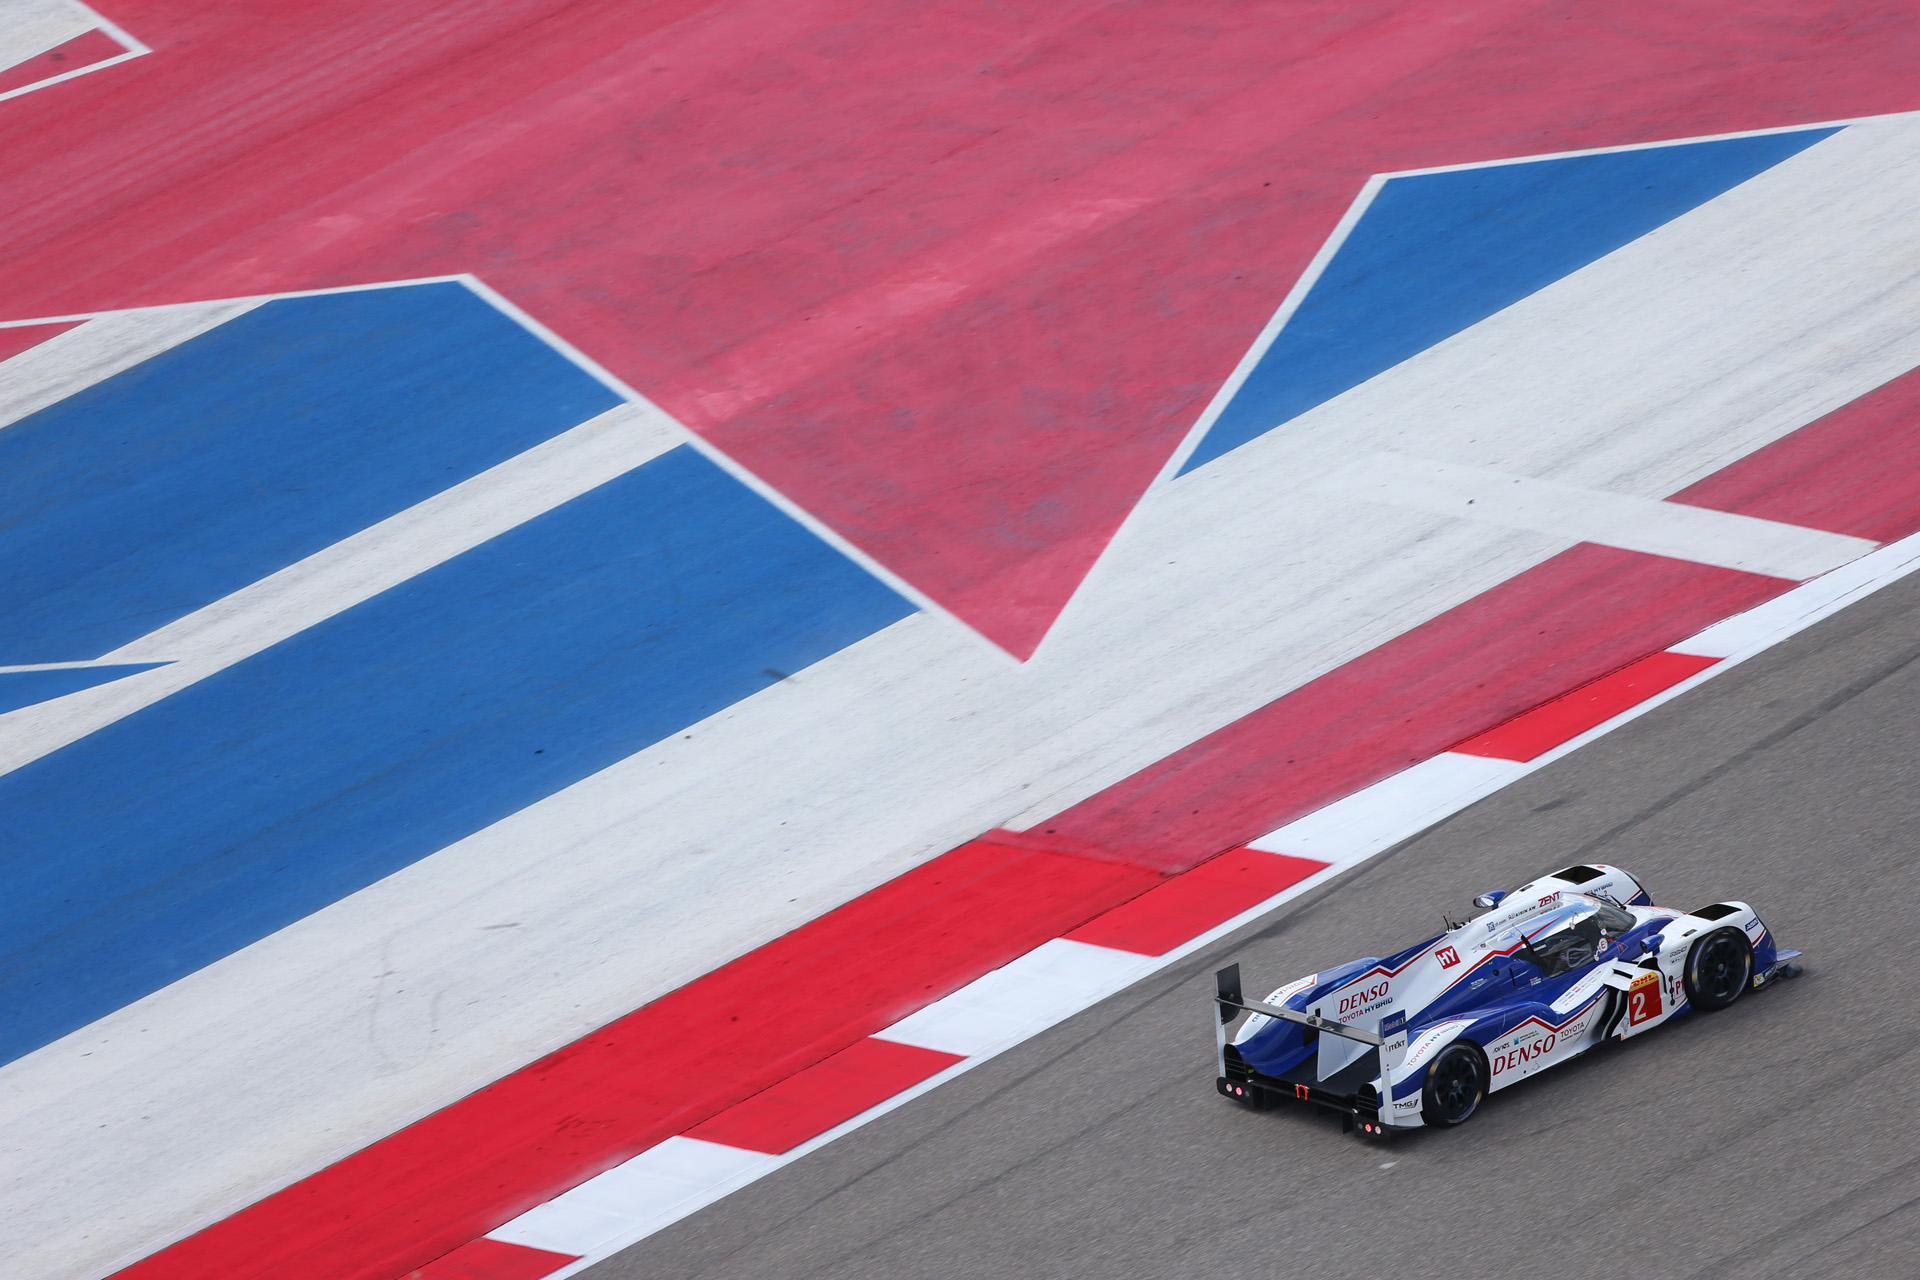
{"x": 1613, "y": 920}
{"x": 1570, "y": 936}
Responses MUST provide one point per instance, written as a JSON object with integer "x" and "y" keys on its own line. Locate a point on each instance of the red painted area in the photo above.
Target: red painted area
{"x": 81, "y": 51}
{"x": 22, "y": 337}
{"x": 1187, "y": 906}
{"x": 1585, "y": 612}
{"x": 485, "y": 1259}
{"x": 807, "y": 1104}
{"x": 1536, "y": 732}
{"x": 955, "y": 276}
{"x": 1857, "y": 470}
{"x": 657, "y": 1072}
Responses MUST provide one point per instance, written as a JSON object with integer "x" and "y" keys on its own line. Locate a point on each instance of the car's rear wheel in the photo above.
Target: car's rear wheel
{"x": 1456, "y": 1082}
{"x": 1719, "y": 968}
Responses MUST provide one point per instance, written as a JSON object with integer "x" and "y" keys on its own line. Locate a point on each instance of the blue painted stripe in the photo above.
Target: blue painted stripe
{"x": 258, "y": 796}
{"x": 1438, "y": 253}
{"x": 286, "y": 429}
{"x": 24, "y": 688}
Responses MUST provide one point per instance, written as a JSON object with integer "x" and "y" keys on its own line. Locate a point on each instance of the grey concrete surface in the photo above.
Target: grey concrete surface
{"x": 1779, "y": 1138}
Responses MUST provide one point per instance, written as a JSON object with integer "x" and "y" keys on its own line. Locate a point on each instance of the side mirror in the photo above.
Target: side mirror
{"x": 1651, "y": 946}
{"x": 1490, "y": 899}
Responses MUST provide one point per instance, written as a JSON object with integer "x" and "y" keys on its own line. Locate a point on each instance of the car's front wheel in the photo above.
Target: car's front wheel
{"x": 1719, "y": 968}
{"x": 1456, "y": 1082}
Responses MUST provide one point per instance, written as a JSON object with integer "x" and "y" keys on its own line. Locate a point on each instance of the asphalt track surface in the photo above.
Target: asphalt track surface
{"x": 1771, "y": 1139}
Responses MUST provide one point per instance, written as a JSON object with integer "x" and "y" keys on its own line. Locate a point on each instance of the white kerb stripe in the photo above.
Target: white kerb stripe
{"x": 656, "y": 1187}
{"x": 1049, "y": 984}
{"x": 1613, "y": 519}
{"x": 1382, "y": 815}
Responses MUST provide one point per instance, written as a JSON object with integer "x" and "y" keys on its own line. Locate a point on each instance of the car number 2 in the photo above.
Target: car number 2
{"x": 1643, "y": 999}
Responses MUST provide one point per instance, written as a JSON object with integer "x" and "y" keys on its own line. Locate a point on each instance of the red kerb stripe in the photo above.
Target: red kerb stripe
{"x": 1540, "y": 730}
{"x": 485, "y": 1259}
{"x": 864, "y": 1074}
{"x": 1185, "y": 907}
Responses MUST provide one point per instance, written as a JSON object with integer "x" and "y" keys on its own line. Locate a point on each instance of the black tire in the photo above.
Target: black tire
{"x": 1719, "y": 968}
{"x": 1456, "y": 1082}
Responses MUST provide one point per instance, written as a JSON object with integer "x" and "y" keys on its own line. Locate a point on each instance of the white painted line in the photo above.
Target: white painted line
{"x": 1047, "y": 985}
{"x": 74, "y": 74}
{"x": 1589, "y": 515}
{"x": 1268, "y": 333}
{"x": 428, "y": 533}
{"x": 340, "y": 576}
{"x": 103, "y": 346}
{"x": 1651, "y": 146}
{"x": 112, "y": 28}
{"x": 250, "y": 300}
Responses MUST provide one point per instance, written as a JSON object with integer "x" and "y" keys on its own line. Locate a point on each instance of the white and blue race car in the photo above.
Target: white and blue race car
{"x": 1570, "y": 961}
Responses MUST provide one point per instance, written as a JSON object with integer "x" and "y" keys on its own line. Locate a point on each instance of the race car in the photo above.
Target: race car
{"x": 1572, "y": 960}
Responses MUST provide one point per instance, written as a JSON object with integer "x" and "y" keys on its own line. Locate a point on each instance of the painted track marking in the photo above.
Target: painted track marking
{"x": 524, "y": 838}
{"x": 1590, "y": 515}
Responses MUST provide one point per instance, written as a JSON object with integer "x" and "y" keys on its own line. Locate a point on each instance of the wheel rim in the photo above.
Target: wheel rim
{"x": 1720, "y": 971}
{"x": 1456, "y": 1088}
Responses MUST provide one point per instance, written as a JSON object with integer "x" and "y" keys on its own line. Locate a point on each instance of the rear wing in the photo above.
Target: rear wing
{"x": 1389, "y": 1044}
